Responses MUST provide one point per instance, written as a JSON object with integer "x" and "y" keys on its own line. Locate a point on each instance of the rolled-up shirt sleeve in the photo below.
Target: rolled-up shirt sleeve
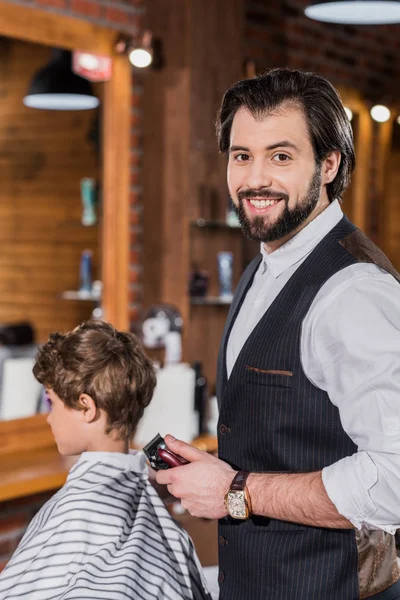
{"x": 350, "y": 347}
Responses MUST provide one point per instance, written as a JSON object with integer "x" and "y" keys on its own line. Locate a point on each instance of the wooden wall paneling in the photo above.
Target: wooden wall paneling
{"x": 356, "y": 197}
{"x": 217, "y": 60}
{"x": 153, "y": 186}
{"x": 183, "y": 174}
{"x": 361, "y": 179}
{"x": 29, "y": 459}
{"x": 21, "y": 435}
{"x": 216, "y": 63}
{"x": 387, "y": 188}
{"x": 391, "y": 205}
{"x": 177, "y": 193}
{"x": 43, "y": 156}
{"x": 116, "y": 174}
{"x": 206, "y": 328}
{"x": 52, "y": 29}
{"x": 166, "y": 164}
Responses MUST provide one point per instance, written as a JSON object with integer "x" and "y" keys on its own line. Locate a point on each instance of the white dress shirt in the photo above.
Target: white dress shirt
{"x": 350, "y": 347}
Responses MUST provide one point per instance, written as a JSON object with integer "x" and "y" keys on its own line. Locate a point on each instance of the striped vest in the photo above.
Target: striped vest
{"x": 273, "y": 419}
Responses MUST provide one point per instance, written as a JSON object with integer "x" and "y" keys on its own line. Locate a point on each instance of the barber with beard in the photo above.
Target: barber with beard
{"x": 307, "y": 483}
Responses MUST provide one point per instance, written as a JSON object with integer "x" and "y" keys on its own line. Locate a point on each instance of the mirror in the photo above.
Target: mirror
{"x": 52, "y": 162}
{"x": 46, "y": 158}
{"x": 49, "y": 221}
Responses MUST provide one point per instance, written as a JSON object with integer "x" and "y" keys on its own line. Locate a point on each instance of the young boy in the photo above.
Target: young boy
{"x": 106, "y": 533}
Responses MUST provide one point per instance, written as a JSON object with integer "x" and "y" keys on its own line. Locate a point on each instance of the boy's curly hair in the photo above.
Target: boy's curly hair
{"x": 108, "y": 365}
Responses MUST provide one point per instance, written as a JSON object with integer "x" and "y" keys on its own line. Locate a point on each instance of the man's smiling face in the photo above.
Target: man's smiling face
{"x": 273, "y": 177}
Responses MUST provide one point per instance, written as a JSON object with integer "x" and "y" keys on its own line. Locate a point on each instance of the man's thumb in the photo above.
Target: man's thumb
{"x": 183, "y": 449}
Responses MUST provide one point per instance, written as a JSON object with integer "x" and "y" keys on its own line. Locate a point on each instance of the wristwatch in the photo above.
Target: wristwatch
{"x": 237, "y": 498}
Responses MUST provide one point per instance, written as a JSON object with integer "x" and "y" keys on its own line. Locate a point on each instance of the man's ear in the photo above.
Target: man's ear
{"x": 330, "y": 167}
{"x": 88, "y": 408}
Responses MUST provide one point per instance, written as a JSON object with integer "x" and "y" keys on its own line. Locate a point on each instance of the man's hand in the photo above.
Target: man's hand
{"x": 201, "y": 485}
{"x": 161, "y": 490}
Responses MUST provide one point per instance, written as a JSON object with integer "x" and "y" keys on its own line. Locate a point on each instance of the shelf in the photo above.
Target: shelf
{"x": 203, "y": 224}
{"x": 211, "y": 300}
{"x": 80, "y": 295}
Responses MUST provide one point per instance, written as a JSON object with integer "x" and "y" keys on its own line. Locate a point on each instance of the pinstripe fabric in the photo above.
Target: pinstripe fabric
{"x": 105, "y": 534}
{"x": 277, "y": 422}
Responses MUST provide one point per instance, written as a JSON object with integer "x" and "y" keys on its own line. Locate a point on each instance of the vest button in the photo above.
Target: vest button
{"x": 221, "y": 577}
{"x": 223, "y": 429}
{"x": 222, "y": 541}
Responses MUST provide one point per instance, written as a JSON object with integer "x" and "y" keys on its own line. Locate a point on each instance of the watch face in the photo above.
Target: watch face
{"x": 236, "y": 504}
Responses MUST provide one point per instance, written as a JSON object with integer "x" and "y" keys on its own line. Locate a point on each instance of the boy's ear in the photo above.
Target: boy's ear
{"x": 88, "y": 407}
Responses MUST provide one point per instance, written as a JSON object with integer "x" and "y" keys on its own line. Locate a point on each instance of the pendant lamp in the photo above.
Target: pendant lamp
{"x": 355, "y": 12}
{"x": 57, "y": 87}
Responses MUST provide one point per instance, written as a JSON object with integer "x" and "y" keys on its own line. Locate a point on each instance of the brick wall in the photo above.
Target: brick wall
{"x": 136, "y": 194}
{"x": 361, "y": 57}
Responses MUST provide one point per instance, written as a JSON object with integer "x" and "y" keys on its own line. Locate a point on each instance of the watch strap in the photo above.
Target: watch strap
{"x": 239, "y": 481}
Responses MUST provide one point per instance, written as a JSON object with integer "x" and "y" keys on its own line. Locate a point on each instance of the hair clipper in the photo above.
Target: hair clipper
{"x": 161, "y": 457}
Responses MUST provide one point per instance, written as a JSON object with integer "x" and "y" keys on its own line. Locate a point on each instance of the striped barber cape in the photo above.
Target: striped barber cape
{"x": 105, "y": 535}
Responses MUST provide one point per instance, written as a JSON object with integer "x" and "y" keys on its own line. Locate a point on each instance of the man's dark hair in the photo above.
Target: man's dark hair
{"x": 108, "y": 365}
{"x": 328, "y": 125}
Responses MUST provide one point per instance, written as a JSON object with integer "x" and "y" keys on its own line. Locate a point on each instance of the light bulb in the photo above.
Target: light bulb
{"x": 349, "y": 113}
{"x": 140, "y": 57}
{"x": 380, "y": 113}
{"x": 61, "y": 101}
{"x": 353, "y": 12}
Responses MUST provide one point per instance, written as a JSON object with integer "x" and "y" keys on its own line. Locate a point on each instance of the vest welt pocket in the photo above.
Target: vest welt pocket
{"x": 268, "y": 377}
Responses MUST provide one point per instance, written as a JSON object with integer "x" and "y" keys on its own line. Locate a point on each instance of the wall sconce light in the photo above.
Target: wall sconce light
{"x": 57, "y": 87}
{"x": 142, "y": 52}
{"x": 142, "y": 56}
{"x": 380, "y": 113}
{"x": 398, "y": 120}
{"x": 354, "y": 12}
{"x": 349, "y": 113}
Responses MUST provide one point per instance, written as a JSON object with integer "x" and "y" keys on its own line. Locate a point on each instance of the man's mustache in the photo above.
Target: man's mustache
{"x": 265, "y": 194}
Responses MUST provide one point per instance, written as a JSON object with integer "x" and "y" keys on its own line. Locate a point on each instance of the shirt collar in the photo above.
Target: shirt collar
{"x": 303, "y": 242}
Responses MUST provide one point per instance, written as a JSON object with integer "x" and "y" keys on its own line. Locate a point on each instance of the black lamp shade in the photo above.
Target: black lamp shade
{"x": 355, "y": 12}
{"x": 57, "y": 87}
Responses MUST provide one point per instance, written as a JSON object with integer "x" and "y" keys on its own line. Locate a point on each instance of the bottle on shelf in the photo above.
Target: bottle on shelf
{"x": 225, "y": 274}
{"x": 232, "y": 218}
{"x": 88, "y": 196}
{"x": 85, "y": 271}
{"x": 198, "y": 282}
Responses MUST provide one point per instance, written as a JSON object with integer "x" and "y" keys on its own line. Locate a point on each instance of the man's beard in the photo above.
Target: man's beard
{"x": 256, "y": 228}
